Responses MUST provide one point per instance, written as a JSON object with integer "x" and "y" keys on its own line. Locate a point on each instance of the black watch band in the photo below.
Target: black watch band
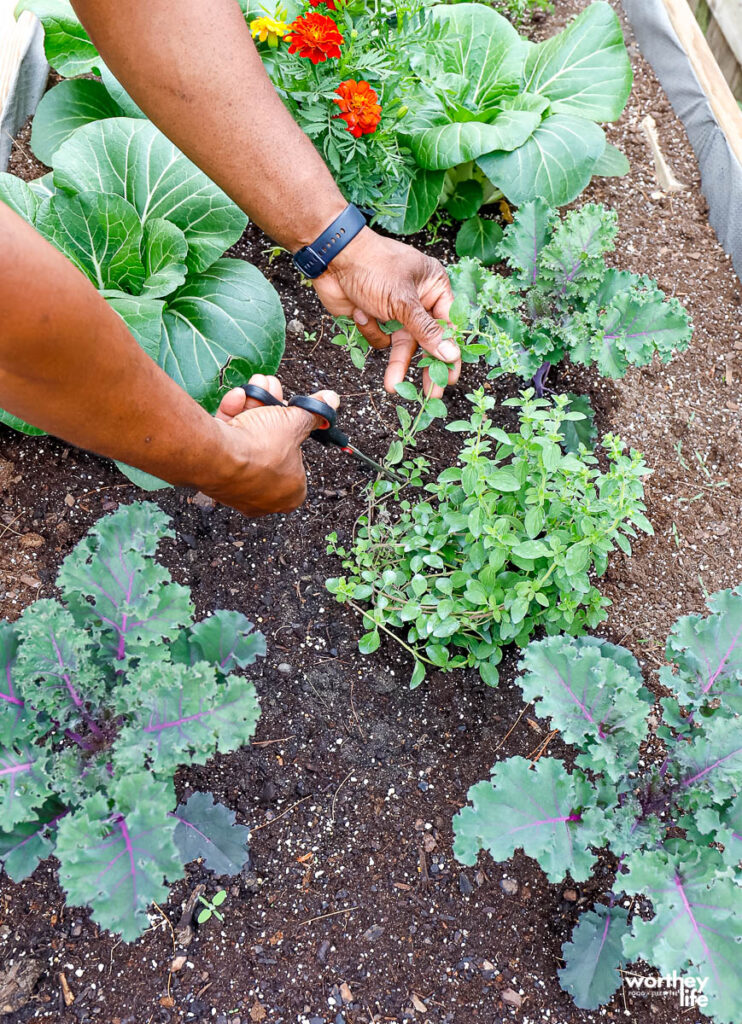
{"x": 314, "y": 259}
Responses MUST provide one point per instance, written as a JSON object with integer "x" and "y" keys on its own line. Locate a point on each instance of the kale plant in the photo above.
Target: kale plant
{"x": 561, "y": 300}
{"x": 674, "y": 825}
{"x": 104, "y": 694}
{"x": 504, "y": 543}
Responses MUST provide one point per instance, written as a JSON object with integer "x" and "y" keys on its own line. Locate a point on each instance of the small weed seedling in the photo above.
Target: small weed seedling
{"x": 351, "y": 339}
{"x": 103, "y": 695}
{"x": 211, "y": 905}
{"x": 674, "y": 825}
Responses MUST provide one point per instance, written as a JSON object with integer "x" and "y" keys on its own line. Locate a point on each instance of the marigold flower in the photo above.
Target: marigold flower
{"x": 315, "y": 36}
{"x": 268, "y": 28}
{"x": 329, "y": 4}
{"x": 359, "y": 106}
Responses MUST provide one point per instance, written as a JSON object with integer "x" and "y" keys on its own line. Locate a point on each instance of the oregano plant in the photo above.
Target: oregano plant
{"x": 666, "y": 805}
{"x": 104, "y": 693}
{"x": 501, "y": 544}
{"x": 561, "y": 300}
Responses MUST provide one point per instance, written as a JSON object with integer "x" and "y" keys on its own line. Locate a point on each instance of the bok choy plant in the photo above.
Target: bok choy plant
{"x": 668, "y": 806}
{"x": 148, "y": 229}
{"x": 493, "y": 114}
{"x": 103, "y": 695}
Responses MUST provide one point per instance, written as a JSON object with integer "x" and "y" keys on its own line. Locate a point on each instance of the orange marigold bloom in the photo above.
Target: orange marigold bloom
{"x": 330, "y": 4}
{"x": 359, "y": 106}
{"x": 315, "y": 36}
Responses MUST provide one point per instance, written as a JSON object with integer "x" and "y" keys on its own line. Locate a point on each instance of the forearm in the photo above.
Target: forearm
{"x": 69, "y": 365}
{"x": 194, "y": 70}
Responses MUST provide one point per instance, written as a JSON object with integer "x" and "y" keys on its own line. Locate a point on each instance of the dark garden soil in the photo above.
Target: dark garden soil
{"x": 353, "y": 909}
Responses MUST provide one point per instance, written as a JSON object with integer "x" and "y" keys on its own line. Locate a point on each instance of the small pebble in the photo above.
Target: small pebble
{"x": 373, "y": 933}
{"x": 465, "y": 886}
{"x": 422, "y": 785}
{"x": 509, "y": 886}
{"x": 570, "y": 894}
{"x": 295, "y": 327}
{"x": 284, "y": 668}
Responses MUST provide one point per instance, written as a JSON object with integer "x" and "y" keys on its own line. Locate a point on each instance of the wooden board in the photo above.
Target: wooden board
{"x": 728, "y": 15}
{"x": 721, "y": 23}
{"x": 14, "y": 38}
{"x": 723, "y": 103}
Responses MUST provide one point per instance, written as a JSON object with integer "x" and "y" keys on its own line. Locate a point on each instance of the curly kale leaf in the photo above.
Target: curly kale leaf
{"x": 591, "y": 698}
{"x": 112, "y": 572}
{"x": 697, "y": 913}
{"x": 535, "y": 808}
{"x": 208, "y": 830}
{"x": 593, "y": 956}
{"x": 117, "y": 851}
{"x": 707, "y": 653}
{"x": 570, "y": 265}
{"x": 55, "y": 661}
{"x": 183, "y": 714}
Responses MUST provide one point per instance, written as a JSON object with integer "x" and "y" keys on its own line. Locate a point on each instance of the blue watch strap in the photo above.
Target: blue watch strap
{"x": 314, "y": 259}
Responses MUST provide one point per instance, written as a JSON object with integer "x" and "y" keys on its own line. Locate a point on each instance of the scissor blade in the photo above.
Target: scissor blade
{"x": 374, "y": 465}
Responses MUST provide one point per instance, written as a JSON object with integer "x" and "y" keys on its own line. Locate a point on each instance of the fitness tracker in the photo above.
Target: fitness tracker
{"x": 314, "y": 259}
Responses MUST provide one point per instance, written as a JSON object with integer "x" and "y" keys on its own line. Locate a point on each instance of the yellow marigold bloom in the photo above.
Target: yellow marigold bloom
{"x": 268, "y": 28}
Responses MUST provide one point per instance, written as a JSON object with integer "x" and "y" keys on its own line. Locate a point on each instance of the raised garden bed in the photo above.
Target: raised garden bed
{"x": 353, "y": 908}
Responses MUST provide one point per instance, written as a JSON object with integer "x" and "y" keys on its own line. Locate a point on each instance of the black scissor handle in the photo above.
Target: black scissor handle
{"x": 325, "y": 435}
{"x": 261, "y": 395}
{"x": 316, "y": 407}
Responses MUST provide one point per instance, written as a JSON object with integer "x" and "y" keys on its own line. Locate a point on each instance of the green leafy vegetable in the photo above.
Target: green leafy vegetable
{"x": 147, "y": 228}
{"x": 68, "y": 47}
{"x": 103, "y": 696}
{"x": 562, "y": 300}
{"x": 674, "y": 826}
{"x": 526, "y": 116}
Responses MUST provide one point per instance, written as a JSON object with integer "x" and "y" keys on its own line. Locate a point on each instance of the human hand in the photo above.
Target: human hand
{"x": 265, "y": 441}
{"x": 376, "y": 278}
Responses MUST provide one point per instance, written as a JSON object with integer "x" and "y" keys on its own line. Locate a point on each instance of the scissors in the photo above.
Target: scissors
{"x": 329, "y": 434}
